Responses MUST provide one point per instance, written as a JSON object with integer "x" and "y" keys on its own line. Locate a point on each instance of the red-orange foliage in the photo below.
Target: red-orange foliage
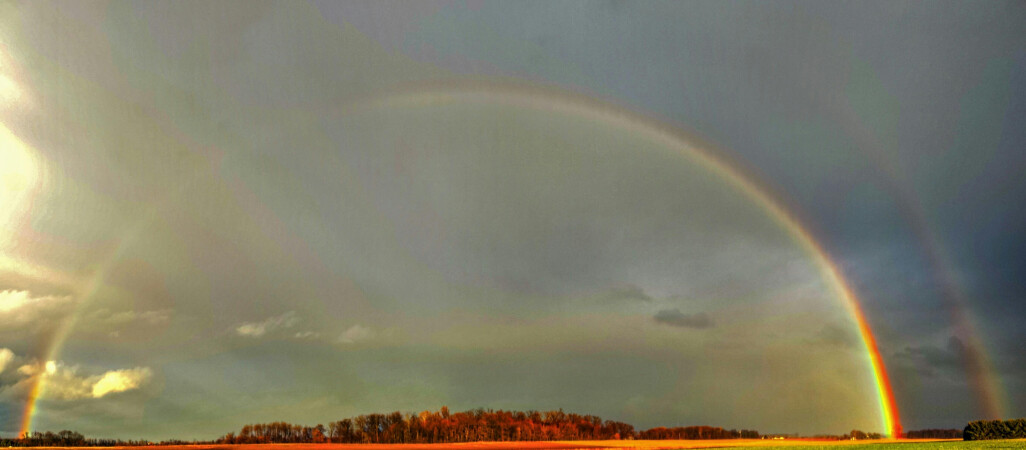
{"x": 444, "y": 426}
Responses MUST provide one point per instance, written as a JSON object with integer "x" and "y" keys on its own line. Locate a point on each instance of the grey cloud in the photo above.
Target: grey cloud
{"x": 511, "y": 213}
{"x": 271, "y": 324}
{"x": 107, "y": 317}
{"x": 674, "y": 317}
{"x": 1007, "y": 354}
{"x": 13, "y": 368}
{"x": 628, "y": 292}
{"x": 536, "y": 212}
{"x": 356, "y": 334}
{"x": 933, "y": 360}
{"x": 824, "y": 76}
{"x": 6, "y": 356}
{"x": 24, "y": 306}
{"x": 23, "y": 311}
{"x": 836, "y": 335}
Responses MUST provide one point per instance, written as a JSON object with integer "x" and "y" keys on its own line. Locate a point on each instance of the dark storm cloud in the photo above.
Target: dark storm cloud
{"x": 932, "y": 360}
{"x": 1007, "y": 355}
{"x": 674, "y": 317}
{"x": 10, "y": 418}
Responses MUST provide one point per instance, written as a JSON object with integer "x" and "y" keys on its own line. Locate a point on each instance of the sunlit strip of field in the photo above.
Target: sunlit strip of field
{"x": 909, "y": 445}
{"x": 904, "y": 444}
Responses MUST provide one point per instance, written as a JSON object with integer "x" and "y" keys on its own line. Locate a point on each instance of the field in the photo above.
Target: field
{"x": 914, "y": 445}
{"x": 908, "y": 444}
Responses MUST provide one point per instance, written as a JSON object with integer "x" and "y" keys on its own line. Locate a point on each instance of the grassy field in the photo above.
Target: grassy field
{"x": 921, "y": 444}
{"x": 904, "y": 445}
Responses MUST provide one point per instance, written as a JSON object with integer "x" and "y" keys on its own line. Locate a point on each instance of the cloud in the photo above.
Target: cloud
{"x": 105, "y": 318}
{"x": 11, "y": 300}
{"x": 27, "y": 370}
{"x": 63, "y": 383}
{"x": 18, "y": 308}
{"x": 156, "y": 316}
{"x": 6, "y": 356}
{"x": 121, "y": 380}
{"x": 68, "y": 383}
{"x": 931, "y": 360}
{"x": 44, "y": 314}
{"x": 258, "y": 329}
{"x": 22, "y": 311}
{"x": 833, "y": 334}
{"x": 356, "y": 333}
{"x": 307, "y": 335}
{"x": 674, "y": 317}
{"x": 628, "y": 292}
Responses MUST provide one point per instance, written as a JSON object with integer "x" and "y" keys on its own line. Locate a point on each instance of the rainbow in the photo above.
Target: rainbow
{"x": 53, "y": 351}
{"x": 982, "y": 376}
{"x": 533, "y": 97}
{"x": 86, "y": 292}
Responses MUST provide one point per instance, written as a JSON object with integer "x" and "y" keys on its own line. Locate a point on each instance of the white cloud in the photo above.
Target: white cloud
{"x": 20, "y": 307}
{"x": 6, "y": 356}
{"x": 356, "y": 333}
{"x": 156, "y": 316}
{"x": 121, "y": 318}
{"x": 307, "y": 335}
{"x": 257, "y": 329}
{"x": 62, "y": 382}
{"x": 121, "y": 380}
{"x": 28, "y": 370}
{"x": 11, "y": 300}
{"x": 21, "y": 310}
{"x": 118, "y": 318}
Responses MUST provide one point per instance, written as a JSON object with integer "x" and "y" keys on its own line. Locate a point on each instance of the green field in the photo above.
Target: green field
{"x": 1004, "y": 443}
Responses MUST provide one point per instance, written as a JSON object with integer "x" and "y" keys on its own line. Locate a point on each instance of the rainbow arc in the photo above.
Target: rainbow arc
{"x": 606, "y": 113}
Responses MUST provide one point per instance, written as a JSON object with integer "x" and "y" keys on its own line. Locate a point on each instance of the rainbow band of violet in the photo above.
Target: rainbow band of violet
{"x": 532, "y": 97}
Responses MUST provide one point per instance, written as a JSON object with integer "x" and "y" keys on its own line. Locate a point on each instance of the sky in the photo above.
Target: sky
{"x": 214, "y": 214}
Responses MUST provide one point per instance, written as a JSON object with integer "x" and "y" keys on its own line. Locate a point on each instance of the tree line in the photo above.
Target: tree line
{"x": 64, "y": 438}
{"x": 995, "y": 429}
{"x": 443, "y": 426}
{"x": 697, "y": 432}
{"x": 440, "y": 426}
{"x": 859, "y": 435}
{"x": 934, "y": 434}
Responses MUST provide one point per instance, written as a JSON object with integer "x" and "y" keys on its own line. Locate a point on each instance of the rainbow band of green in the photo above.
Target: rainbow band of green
{"x": 562, "y": 102}
{"x": 670, "y": 137}
{"x": 85, "y": 294}
{"x": 982, "y": 376}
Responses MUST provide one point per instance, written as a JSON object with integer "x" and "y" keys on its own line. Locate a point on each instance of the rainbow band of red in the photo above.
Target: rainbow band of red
{"x": 85, "y": 293}
{"x": 614, "y": 116}
{"x": 671, "y": 137}
{"x": 56, "y": 344}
